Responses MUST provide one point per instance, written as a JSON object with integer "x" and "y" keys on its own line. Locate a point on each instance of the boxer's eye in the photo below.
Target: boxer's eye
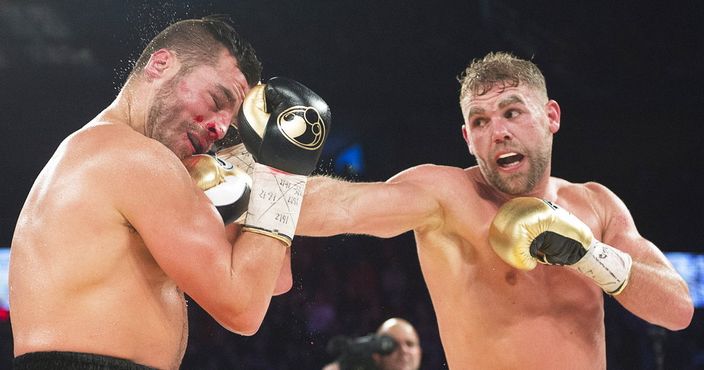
{"x": 215, "y": 103}
{"x": 511, "y": 113}
{"x": 479, "y": 122}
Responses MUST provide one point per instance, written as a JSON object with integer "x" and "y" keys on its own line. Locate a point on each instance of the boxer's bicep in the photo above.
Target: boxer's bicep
{"x": 180, "y": 228}
{"x": 231, "y": 276}
{"x": 173, "y": 217}
{"x": 619, "y": 228}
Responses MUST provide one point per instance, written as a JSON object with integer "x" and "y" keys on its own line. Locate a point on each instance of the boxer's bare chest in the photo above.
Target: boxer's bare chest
{"x": 458, "y": 262}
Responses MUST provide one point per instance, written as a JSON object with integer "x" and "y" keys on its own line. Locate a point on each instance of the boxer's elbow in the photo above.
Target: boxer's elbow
{"x": 283, "y": 285}
{"x": 681, "y": 314}
{"x": 246, "y": 325}
{"x": 246, "y": 331}
{"x": 239, "y": 318}
{"x": 682, "y": 309}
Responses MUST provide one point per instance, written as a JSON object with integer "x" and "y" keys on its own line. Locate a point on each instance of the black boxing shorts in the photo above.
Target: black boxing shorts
{"x": 73, "y": 361}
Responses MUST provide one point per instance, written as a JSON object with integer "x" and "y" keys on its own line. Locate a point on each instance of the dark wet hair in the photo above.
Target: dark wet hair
{"x": 200, "y": 42}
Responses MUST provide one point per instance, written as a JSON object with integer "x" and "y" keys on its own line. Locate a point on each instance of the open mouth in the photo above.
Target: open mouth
{"x": 508, "y": 160}
{"x": 195, "y": 141}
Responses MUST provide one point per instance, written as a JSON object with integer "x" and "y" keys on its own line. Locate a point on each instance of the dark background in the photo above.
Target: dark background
{"x": 628, "y": 77}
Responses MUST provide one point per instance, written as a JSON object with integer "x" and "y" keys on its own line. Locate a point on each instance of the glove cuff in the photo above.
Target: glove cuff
{"x": 275, "y": 203}
{"x": 272, "y": 234}
{"x": 609, "y": 267}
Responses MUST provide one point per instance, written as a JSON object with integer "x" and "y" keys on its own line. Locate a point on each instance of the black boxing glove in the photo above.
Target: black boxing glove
{"x": 228, "y": 187}
{"x": 284, "y": 125}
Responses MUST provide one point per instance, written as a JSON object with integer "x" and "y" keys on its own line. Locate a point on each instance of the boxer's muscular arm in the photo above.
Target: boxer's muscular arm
{"x": 385, "y": 209}
{"x": 653, "y": 280}
{"x": 285, "y": 280}
{"x": 184, "y": 233}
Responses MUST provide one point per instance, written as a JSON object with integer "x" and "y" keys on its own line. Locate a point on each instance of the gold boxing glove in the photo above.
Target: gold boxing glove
{"x": 227, "y": 186}
{"x": 528, "y": 230}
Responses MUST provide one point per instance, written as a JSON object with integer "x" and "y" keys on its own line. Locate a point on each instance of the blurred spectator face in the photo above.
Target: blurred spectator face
{"x": 408, "y": 353}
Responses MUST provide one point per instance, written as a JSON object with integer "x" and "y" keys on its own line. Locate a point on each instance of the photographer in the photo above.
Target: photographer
{"x": 395, "y": 346}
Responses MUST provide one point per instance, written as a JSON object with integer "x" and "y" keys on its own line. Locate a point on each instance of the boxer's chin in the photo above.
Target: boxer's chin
{"x": 517, "y": 182}
{"x": 182, "y": 150}
{"x": 513, "y": 184}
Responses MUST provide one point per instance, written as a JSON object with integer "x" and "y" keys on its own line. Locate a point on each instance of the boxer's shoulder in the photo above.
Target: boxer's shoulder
{"x": 99, "y": 138}
{"x": 450, "y": 186}
{"x": 565, "y": 186}
{"x": 577, "y": 194}
{"x": 591, "y": 202}
{"x": 118, "y": 143}
{"x": 113, "y": 157}
{"x": 431, "y": 174}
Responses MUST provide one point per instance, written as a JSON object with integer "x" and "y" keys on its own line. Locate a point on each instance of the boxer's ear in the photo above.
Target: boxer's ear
{"x": 465, "y": 135}
{"x": 159, "y": 62}
{"x": 552, "y": 109}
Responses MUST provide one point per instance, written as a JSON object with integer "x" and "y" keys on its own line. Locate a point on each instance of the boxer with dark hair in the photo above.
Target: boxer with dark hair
{"x": 114, "y": 231}
{"x": 480, "y": 232}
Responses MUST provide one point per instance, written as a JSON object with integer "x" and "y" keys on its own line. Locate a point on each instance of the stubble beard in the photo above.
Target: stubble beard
{"x": 519, "y": 183}
{"x": 162, "y": 117}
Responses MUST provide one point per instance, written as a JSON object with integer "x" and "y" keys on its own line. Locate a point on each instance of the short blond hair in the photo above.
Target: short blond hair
{"x": 499, "y": 68}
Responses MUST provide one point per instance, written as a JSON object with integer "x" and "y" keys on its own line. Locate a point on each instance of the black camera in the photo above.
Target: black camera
{"x": 356, "y": 353}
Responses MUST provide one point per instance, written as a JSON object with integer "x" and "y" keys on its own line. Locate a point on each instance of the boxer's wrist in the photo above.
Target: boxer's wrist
{"x": 609, "y": 267}
{"x": 275, "y": 203}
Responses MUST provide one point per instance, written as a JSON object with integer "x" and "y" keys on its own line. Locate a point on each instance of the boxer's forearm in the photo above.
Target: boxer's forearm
{"x": 658, "y": 295}
{"x": 655, "y": 292}
{"x": 327, "y": 208}
{"x": 284, "y": 282}
{"x": 255, "y": 271}
{"x": 380, "y": 209}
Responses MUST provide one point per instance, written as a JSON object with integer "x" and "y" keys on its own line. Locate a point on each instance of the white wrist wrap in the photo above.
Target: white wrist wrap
{"x": 275, "y": 203}
{"x": 609, "y": 267}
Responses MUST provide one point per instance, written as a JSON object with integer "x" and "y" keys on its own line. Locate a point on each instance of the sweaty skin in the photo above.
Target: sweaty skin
{"x": 490, "y": 315}
{"x": 114, "y": 231}
{"x": 82, "y": 276}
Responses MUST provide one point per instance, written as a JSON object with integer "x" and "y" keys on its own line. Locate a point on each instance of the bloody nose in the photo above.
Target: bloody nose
{"x": 215, "y": 131}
